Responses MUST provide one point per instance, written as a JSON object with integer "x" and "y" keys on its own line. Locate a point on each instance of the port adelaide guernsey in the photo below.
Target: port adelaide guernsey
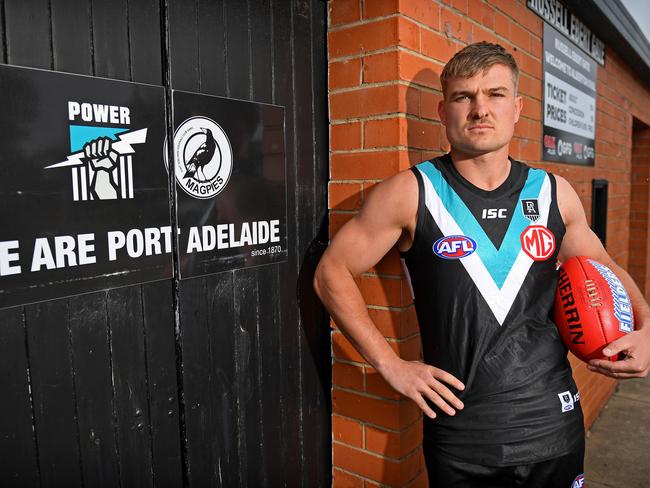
{"x": 483, "y": 273}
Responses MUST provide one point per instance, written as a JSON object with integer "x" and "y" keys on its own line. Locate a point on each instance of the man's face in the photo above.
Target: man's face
{"x": 480, "y": 112}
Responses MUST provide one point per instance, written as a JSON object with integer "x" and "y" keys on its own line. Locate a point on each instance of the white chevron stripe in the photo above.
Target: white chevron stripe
{"x": 499, "y": 300}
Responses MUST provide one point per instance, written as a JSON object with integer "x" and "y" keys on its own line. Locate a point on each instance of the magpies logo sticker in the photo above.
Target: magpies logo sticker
{"x": 101, "y": 157}
{"x": 202, "y": 157}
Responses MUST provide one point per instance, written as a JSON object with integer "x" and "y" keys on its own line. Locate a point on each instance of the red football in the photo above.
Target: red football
{"x": 591, "y": 308}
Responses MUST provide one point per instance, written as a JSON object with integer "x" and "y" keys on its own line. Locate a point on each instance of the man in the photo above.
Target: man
{"x": 495, "y": 382}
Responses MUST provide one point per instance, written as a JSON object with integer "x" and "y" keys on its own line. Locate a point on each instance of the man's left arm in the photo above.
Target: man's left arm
{"x": 579, "y": 240}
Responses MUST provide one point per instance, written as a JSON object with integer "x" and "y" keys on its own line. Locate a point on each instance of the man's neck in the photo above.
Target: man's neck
{"x": 486, "y": 171}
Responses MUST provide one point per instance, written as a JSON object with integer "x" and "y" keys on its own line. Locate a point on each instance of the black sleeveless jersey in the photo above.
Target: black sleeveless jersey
{"x": 482, "y": 269}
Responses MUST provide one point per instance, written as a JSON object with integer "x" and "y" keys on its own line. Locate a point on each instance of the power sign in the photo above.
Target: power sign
{"x": 84, "y": 185}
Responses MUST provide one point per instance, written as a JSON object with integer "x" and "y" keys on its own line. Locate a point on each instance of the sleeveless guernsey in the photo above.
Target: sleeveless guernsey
{"x": 483, "y": 273}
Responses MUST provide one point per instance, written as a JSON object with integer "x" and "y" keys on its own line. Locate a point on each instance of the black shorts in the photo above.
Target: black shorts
{"x": 449, "y": 472}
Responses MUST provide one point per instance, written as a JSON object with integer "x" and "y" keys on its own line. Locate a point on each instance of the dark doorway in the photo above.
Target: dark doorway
{"x": 639, "y": 204}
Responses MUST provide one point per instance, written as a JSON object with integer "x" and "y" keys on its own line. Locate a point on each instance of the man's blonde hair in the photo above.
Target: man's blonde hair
{"x": 477, "y": 57}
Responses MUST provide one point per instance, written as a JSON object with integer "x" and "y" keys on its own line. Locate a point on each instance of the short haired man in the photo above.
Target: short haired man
{"x": 502, "y": 409}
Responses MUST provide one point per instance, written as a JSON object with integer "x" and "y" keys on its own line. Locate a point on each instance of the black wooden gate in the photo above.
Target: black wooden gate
{"x": 214, "y": 381}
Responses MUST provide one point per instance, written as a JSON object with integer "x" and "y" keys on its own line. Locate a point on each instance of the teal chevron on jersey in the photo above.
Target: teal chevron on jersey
{"x": 498, "y": 262}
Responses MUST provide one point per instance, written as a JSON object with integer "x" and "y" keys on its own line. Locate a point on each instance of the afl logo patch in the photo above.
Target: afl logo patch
{"x": 202, "y": 157}
{"x": 579, "y": 482}
{"x": 454, "y": 247}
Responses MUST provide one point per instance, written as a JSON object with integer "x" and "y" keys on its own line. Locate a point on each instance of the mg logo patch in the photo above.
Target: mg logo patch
{"x": 538, "y": 242}
{"x": 202, "y": 157}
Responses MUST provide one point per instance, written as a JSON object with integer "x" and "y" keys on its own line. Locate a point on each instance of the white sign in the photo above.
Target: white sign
{"x": 569, "y": 101}
{"x": 568, "y": 109}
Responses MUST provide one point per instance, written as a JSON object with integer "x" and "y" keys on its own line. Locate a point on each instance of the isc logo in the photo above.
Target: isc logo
{"x": 454, "y": 247}
{"x": 494, "y": 213}
{"x": 538, "y": 242}
{"x": 579, "y": 482}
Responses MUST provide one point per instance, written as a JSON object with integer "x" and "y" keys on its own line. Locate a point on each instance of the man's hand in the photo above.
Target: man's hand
{"x": 419, "y": 381}
{"x": 100, "y": 154}
{"x": 636, "y": 347}
{"x": 388, "y": 217}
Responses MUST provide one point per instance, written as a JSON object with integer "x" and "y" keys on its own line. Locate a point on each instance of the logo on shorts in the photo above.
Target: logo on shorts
{"x": 454, "y": 247}
{"x": 202, "y": 157}
{"x": 579, "y": 482}
{"x": 530, "y": 209}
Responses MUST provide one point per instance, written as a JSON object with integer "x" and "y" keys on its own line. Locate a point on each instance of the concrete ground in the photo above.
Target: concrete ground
{"x": 618, "y": 443}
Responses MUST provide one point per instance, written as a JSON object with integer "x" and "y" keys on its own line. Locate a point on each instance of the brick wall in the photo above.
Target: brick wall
{"x": 385, "y": 58}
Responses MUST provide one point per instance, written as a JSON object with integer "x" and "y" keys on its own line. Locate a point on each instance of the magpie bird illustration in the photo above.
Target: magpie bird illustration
{"x": 202, "y": 156}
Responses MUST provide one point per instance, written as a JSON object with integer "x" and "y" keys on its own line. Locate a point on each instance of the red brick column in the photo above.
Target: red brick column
{"x": 385, "y": 58}
{"x": 374, "y": 52}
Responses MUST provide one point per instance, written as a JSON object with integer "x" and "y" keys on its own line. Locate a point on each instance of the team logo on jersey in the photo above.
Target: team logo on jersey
{"x": 538, "y": 242}
{"x": 566, "y": 398}
{"x": 579, "y": 482}
{"x": 454, "y": 247}
{"x": 530, "y": 209}
{"x": 101, "y": 156}
{"x": 202, "y": 157}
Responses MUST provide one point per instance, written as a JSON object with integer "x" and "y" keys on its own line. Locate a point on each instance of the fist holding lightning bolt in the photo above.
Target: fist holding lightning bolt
{"x": 103, "y": 160}
{"x": 99, "y": 153}
{"x": 107, "y": 164}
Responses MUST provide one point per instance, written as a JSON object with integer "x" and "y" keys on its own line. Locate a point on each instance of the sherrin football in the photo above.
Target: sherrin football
{"x": 591, "y": 308}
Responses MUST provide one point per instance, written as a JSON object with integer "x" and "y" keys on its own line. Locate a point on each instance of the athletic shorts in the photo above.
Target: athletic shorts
{"x": 449, "y": 472}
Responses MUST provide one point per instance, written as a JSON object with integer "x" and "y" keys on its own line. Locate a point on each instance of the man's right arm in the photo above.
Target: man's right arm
{"x": 387, "y": 217}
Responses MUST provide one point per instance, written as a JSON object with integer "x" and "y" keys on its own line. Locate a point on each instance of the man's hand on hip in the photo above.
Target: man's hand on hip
{"x": 421, "y": 382}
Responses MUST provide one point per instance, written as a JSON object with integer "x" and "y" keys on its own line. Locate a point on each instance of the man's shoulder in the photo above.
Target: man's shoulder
{"x": 396, "y": 197}
{"x": 398, "y": 182}
{"x": 439, "y": 163}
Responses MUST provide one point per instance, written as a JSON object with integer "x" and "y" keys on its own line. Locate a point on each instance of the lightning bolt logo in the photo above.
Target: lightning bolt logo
{"x": 122, "y": 146}
{"x": 109, "y": 175}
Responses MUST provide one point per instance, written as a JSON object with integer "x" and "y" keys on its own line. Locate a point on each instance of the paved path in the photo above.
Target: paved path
{"x": 618, "y": 443}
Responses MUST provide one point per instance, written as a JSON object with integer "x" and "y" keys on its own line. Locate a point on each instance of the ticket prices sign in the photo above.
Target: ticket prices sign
{"x": 569, "y": 101}
{"x": 83, "y": 191}
{"x": 229, "y": 167}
